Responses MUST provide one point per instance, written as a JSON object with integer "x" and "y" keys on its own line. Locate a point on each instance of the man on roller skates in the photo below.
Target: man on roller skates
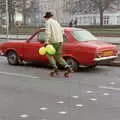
{"x": 54, "y": 36}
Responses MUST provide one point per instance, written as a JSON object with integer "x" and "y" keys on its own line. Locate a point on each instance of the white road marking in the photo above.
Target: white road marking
{"x": 106, "y": 94}
{"x": 18, "y": 75}
{"x": 112, "y": 83}
{"x": 79, "y": 105}
{"x": 93, "y": 99}
{"x": 43, "y": 108}
{"x": 110, "y": 88}
{"x": 24, "y": 116}
{"x": 63, "y": 112}
{"x": 89, "y": 91}
{"x": 60, "y": 102}
{"x": 75, "y": 97}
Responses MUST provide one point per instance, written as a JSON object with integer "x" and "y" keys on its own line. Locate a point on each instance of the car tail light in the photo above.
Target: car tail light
{"x": 106, "y": 53}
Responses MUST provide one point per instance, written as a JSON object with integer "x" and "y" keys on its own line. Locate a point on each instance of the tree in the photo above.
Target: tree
{"x": 11, "y": 12}
{"x": 89, "y": 6}
{"x": 101, "y": 5}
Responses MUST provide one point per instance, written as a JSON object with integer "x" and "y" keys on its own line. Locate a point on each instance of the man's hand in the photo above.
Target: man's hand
{"x": 45, "y": 44}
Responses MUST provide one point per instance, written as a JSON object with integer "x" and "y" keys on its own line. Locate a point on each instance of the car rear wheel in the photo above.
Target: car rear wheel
{"x": 12, "y": 58}
{"x": 73, "y": 63}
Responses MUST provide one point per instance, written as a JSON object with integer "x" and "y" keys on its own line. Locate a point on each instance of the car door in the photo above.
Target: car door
{"x": 31, "y": 48}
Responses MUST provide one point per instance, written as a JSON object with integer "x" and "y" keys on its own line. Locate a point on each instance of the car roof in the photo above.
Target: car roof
{"x": 71, "y": 29}
{"x": 64, "y": 28}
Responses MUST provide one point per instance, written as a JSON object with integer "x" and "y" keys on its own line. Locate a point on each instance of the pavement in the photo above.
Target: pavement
{"x": 28, "y": 92}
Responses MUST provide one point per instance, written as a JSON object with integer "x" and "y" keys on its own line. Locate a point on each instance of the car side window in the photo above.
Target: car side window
{"x": 42, "y": 36}
{"x": 65, "y": 38}
{"x": 35, "y": 38}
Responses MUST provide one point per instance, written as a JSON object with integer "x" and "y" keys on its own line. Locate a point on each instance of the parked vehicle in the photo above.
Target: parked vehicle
{"x": 80, "y": 48}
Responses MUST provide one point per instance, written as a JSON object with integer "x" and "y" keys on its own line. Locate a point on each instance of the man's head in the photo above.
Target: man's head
{"x": 48, "y": 15}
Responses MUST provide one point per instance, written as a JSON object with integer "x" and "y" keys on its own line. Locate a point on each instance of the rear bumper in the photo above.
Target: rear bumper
{"x": 105, "y": 58}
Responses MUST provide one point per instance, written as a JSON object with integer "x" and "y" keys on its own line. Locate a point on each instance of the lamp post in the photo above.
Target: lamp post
{"x": 7, "y": 19}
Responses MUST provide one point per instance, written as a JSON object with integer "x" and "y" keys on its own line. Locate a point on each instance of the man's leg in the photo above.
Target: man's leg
{"x": 59, "y": 58}
{"x": 52, "y": 62}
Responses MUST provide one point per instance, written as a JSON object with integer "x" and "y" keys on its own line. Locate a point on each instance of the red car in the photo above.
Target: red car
{"x": 80, "y": 48}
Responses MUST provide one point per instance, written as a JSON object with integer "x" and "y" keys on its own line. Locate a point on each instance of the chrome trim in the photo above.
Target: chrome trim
{"x": 105, "y": 58}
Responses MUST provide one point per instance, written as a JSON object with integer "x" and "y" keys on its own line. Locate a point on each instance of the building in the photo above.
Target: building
{"x": 94, "y": 19}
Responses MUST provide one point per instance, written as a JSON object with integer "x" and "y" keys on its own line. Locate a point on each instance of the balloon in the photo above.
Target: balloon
{"x": 50, "y": 50}
{"x": 42, "y": 51}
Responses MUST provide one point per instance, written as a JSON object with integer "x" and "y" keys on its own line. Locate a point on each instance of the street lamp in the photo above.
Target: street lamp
{"x": 7, "y": 19}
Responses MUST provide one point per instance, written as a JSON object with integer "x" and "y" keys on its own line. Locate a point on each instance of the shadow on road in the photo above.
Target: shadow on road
{"x": 47, "y": 66}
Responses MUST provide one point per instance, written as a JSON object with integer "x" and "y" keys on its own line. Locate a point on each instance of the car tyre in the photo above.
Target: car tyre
{"x": 12, "y": 58}
{"x": 73, "y": 63}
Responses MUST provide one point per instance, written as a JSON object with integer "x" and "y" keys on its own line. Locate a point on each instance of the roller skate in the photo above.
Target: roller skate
{"x": 67, "y": 71}
{"x": 55, "y": 72}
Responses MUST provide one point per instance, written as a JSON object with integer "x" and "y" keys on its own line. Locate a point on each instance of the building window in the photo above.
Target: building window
{"x": 118, "y": 20}
{"x": 106, "y": 20}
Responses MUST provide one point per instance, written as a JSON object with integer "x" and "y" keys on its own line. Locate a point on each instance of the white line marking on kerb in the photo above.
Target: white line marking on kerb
{"x": 79, "y": 105}
{"x": 110, "y": 88}
{"x": 18, "y": 75}
{"x": 60, "y": 102}
{"x": 75, "y": 97}
{"x": 63, "y": 112}
{"x": 43, "y": 108}
{"x": 93, "y": 99}
{"x": 89, "y": 92}
{"x": 24, "y": 116}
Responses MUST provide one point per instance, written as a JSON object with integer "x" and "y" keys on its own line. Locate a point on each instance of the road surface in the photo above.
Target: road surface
{"x": 28, "y": 93}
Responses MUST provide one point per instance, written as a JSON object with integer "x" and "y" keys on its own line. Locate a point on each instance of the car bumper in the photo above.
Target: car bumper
{"x": 105, "y": 58}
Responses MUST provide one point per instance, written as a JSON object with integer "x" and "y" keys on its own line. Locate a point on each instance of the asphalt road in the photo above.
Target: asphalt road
{"x": 28, "y": 93}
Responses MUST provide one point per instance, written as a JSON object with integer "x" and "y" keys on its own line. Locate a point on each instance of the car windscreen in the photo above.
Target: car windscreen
{"x": 83, "y": 35}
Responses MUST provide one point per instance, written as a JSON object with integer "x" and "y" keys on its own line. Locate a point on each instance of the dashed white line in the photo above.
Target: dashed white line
{"x": 18, "y": 75}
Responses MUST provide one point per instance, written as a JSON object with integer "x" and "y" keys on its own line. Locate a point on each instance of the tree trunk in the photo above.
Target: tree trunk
{"x": 101, "y": 17}
{"x": 24, "y": 13}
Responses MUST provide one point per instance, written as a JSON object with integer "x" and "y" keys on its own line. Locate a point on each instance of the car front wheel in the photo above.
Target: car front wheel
{"x": 12, "y": 58}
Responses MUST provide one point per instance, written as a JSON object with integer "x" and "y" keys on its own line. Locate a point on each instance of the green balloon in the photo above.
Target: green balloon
{"x": 50, "y": 50}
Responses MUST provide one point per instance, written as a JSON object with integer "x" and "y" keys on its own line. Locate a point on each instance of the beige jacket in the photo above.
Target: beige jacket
{"x": 54, "y": 33}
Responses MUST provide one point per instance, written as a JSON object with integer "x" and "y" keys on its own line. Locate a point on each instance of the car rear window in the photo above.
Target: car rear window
{"x": 83, "y": 35}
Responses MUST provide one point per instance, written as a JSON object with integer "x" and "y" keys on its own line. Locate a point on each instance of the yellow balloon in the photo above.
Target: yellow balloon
{"x": 50, "y": 49}
{"x": 42, "y": 51}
